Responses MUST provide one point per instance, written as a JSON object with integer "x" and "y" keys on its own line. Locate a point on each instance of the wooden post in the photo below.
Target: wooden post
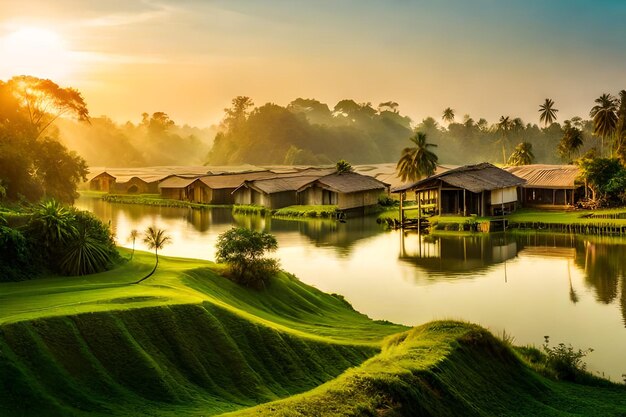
{"x": 439, "y": 200}
{"x": 401, "y": 210}
{"x": 554, "y": 197}
{"x": 464, "y": 204}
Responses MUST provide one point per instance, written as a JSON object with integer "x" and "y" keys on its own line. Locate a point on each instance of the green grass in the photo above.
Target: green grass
{"x": 190, "y": 342}
{"x": 307, "y": 211}
{"x": 566, "y": 217}
{"x": 250, "y": 209}
{"x": 447, "y": 369}
{"x": 146, "y": 200}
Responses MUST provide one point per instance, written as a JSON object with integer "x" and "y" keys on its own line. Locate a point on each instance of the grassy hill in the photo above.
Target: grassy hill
{"x": 189, "y": 342}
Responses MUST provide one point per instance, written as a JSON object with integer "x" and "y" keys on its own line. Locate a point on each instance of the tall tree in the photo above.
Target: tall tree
{"x": 156, "y": 239}
{"x": 504, "y": 126}
{"x": 45, "y": 101}
{"x": 418, "y": 162}
{"x": 448, "y": 115}
{"x": 571, "y": 142}
{"x": 134, "y": 234}
{"x": 547, "y": 112}
{"x": 620, "y": 129}
{"x": 237, "y": 113}
{"x": 604, "y": 115}
{"x": 522, "y": 155}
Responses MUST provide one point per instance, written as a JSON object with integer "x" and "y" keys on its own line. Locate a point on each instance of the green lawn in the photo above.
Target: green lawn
{"x": 188, "y": 341}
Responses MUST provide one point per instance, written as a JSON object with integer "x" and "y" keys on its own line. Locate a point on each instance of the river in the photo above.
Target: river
{"x": 571, "y": 288}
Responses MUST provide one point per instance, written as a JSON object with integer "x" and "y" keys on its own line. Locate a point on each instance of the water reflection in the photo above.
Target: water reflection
{"x": 602, "y": 261}
{"x": 531, "y": 284}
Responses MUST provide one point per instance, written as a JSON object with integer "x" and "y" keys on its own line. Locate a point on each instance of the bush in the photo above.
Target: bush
{"x": 244, "y": 250}
{"x": 566, "y": 362}
{"x": 15, "y": 256}
{"x": 387, "y": 201}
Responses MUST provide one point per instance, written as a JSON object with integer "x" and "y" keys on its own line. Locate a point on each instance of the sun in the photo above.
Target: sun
{"x": 34, "y": 51}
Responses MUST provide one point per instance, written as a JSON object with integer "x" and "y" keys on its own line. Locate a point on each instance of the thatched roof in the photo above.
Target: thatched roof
{"x": 281, "y": 184}
{"x": 395, "y": 181}
{"x": 349, "y": 182}
{"x": 232, "y": 180}
{"x": 474, "y": 178}
{"x": 93, "y": 175}
{"x": 176, "y": 182}
{"x": 547, "y": 176}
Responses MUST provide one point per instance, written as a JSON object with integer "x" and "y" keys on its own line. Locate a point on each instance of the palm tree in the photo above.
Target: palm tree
{"x": 133, "y": 236}
{"x": 53, "y": 224}
{"x": 522, "y": 155}
{"x": 155, "y": 239}
{"x": 604, "y": 118}
{"x": 417, "y": 162}
{"x": 505, "y": 125}
{"x": 620, "y": 129}
{"x": 571, "y": 142}
{"x": 547, "y": 112}
{"x": 448, "y": 115}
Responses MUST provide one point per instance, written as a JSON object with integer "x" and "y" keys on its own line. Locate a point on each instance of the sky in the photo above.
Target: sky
{"x": 189, "y": 58}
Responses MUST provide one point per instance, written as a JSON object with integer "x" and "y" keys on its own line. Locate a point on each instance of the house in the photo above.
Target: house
{"x": 548, "y": 186}
{"x": 138, "y": 185}
{"x": 175, "y": 187}
{"x": 273, "y": 193}
{"x": 481, "y": 189}
{"x": 347, "y": 191}
{"x": 218, "y": 189}
{"x": 102, "y": 182}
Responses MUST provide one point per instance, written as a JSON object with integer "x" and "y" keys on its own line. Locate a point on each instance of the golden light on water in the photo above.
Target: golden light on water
{"x": 35, "y": 51}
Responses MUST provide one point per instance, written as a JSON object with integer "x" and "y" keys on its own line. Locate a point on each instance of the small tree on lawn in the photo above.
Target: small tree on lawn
{"x": 244, "y": 252}
{"x": 156, "y": 239}
{"x": 133, "y": 237}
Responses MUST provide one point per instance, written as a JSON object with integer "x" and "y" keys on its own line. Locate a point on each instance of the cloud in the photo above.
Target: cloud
{"x": 156, "y": 11}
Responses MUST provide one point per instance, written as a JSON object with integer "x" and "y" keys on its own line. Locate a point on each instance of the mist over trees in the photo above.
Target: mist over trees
{"x": 307, "y": 131}
{"x": 156, "y": 140}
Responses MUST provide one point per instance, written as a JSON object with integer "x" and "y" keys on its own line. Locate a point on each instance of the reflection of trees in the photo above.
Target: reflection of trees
{"x": 603, "y": 264}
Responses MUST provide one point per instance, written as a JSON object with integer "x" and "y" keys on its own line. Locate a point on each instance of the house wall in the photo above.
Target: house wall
{"x": 174, "y": 193}
{"x": 223, "y": 196}
{"x": 280, "y": 200}
{"x": 359, "y": 199}
{"x": 102, "y": 183}
{"x": 242, "y": 196}
{"x": 504, "y": 195}
{"x": 312, "y": 196}
{"x": 199, "y": 192}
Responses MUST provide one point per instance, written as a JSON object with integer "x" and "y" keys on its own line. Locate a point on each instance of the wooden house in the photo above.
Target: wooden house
{"x": 273, "y": 193}
{"x": 347, "y": 191}
{"x": 175, "y": 187}
{"x": 218, "y": 189}
{"x": 102, "y": 182}
{"x": 548, "y": 186}
{"x": 481, "y": 189}
{"x": 138, "y": 185}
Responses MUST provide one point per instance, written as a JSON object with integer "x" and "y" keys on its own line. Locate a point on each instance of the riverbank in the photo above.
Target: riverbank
{"x": 603, "y": 222}
{"x": 189, "y": 341}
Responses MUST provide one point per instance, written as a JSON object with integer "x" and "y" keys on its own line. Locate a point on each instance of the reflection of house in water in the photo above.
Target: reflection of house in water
{"x": 456, "y": 254}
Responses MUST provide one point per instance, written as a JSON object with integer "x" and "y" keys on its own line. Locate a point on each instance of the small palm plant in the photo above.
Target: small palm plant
{"x": 133, "y": 237}
{"x": 156, "y": 239}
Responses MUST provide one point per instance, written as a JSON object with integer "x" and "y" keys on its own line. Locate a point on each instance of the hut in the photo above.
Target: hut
{"x": 218, "y": 189}
{"x": 347, "y": 191}
{"x": 138, "y": 185}
{"x": 273, "y": 193}
{"x": 548, "y": 186}
{"x": 175, "y": 187}
{"x": 481, "y": 189}
{"x": 102, "y": 182}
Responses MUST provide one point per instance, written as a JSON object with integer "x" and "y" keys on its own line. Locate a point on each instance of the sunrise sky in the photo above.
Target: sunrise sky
{"x": 189, "y": 58}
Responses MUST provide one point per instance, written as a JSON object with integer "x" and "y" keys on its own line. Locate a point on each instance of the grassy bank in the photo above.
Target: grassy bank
{"x": 288, "y": 212}
{"x": 190, "y": 342}
{"x": 146, "y": 200}
{"x": 447, "y": 369}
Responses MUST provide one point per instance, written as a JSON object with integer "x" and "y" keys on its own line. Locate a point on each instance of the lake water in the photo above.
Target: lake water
{"x": 529, "y": 285}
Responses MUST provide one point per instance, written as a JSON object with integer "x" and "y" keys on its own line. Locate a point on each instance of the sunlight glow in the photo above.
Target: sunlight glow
{"x": 34, "y": 51}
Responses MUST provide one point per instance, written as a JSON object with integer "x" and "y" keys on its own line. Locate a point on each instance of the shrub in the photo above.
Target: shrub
{"x": 15, "y": 255}
{"x": 244, "y": 250}
{"x": 566, "y": 362}
{"x": 387, "y": 201}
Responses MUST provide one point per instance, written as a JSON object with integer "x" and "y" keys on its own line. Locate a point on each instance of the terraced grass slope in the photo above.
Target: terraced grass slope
{"x": 447, "y": 369}
{"x": 188, "y": 342}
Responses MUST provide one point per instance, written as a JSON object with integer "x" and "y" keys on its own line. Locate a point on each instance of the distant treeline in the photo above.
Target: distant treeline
{"x": 307, "y": 131}
{"x": 156, "y": 140}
